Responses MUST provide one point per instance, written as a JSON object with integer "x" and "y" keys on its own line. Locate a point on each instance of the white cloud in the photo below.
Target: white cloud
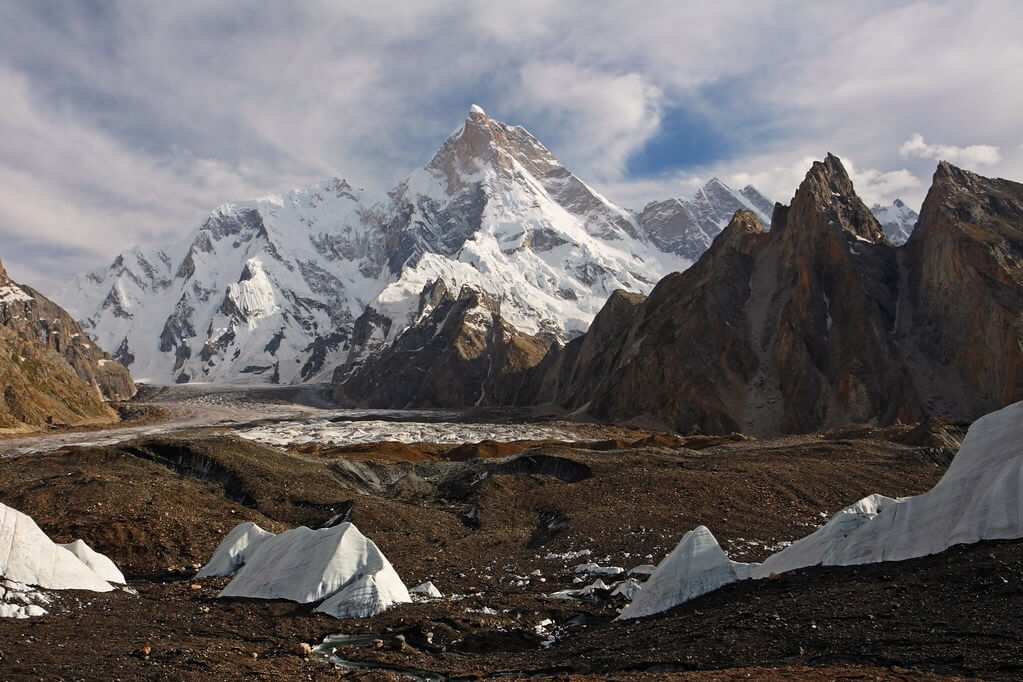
{"x": 973, "y": 155}
{"x": 126, "y": 122}
{"x": 76, "y": 187}
{"x": 609, "y": 115}
{"x": 776, "y": 177}
{"x": 884, "y": 187}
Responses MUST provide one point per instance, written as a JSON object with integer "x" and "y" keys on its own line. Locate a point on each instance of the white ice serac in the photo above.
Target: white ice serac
{"x": 980, "y": 497}
{"x": 337, "y": 567}
{"x": 31, "y": 563}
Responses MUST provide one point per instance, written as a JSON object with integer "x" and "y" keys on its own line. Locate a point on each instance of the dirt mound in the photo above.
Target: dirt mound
{"x": 281, "y": 487}
{"x": 936, "y": 433}
{"x": 385, "y": 452}
{"x": 390, "y": 452}
{"x": 142, "y": 515}
{"x": 487, "y": 449}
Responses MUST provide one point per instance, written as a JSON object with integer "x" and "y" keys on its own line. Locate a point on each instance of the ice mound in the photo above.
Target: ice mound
{"x": 980, "y": 497}
{"x": 29, "y": 557}
{"x": 234, "y": 550}
{"x": 366, "y": 597}
{"x": 338, "y": 566}
{"x": 696, "y": 566}
{"x": 427, "y": 590}
{"x": 100, "y": 564}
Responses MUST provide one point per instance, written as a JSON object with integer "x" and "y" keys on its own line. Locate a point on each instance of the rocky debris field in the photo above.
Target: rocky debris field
{"x": 500, "y": 528}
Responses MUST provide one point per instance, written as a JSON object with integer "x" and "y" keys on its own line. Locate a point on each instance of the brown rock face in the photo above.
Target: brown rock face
{"x": 818, "y": 323}
{"x": 459, "y": 353}
{"x": 50, "y": 371}
{"x": 965, "y": 265}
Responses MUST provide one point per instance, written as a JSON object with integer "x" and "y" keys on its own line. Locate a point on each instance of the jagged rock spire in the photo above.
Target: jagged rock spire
{"x": 826, "y": 200}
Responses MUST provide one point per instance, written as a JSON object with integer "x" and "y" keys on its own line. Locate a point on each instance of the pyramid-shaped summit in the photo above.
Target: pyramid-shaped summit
{"x": 284, "y": 289}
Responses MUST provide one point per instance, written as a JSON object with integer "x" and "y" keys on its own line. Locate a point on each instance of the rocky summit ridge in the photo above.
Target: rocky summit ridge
{"x": 821, "y": 322}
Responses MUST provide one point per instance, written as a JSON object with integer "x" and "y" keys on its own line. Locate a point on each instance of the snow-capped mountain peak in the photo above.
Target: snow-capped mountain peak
{"x": 285, "y": 288}
{"x": 897, "y": 220}
{"x": 688, "y": 227}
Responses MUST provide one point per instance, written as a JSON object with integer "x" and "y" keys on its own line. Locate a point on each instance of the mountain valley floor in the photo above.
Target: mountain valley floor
{"x": 500, "y": 527}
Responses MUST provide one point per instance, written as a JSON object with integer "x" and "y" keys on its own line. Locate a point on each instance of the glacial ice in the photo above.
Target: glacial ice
{"x": 980, "y": 497}
{"x": 339, "y": 567}
{"x": 29, "y": 558}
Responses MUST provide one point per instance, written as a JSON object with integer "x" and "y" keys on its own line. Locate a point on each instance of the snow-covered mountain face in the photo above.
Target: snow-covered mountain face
{"x": 285, "y": 288}
{"x": 262, "y": 290}
{"x": 897, "y": 220}
{"x": 687, "y": 228}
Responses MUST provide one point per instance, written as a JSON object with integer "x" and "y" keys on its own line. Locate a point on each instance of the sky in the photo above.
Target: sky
{"x": 125, "y": 123}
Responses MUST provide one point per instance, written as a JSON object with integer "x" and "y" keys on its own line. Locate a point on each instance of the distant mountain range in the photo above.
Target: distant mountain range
{"x": 285, "y": 289}
{"x": 687, "y": 228}
{"x": 897, "y": 220}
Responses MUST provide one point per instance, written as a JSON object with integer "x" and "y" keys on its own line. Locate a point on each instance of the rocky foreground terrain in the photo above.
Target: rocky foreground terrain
{"x": 500, "y": 528}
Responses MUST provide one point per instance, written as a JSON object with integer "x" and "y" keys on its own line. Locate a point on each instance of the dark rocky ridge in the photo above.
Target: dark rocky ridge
{"x": 821, "y": 322}
{"x": 460, "y": 352}
{"x": 818, "y": 323}
{"x": 50, "y": 371}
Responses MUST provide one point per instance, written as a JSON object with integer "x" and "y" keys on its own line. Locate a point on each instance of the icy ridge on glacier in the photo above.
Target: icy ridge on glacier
{"x": 980, "y": 497}
{"x": 338, "y": 567}
{"x": 285, "y": 288}
{"x": 30, "y": 559}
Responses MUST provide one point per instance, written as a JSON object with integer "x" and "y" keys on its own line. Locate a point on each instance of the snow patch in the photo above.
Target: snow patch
{"x": 592, "y": 568}
{"x": 12, "y": 293}
{"x": 426, "y": 590}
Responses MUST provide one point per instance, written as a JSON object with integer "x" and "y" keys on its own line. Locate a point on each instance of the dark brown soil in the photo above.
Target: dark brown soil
{"x": 159, "y": 506}
{"x": 390, "y": 452}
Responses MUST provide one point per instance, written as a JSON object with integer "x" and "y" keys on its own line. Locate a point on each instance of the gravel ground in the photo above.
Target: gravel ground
{"x": 627, "y": 500}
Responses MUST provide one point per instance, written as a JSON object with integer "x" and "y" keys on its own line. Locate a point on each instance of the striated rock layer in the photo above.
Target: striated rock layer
{"x": 50, "y": 371}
